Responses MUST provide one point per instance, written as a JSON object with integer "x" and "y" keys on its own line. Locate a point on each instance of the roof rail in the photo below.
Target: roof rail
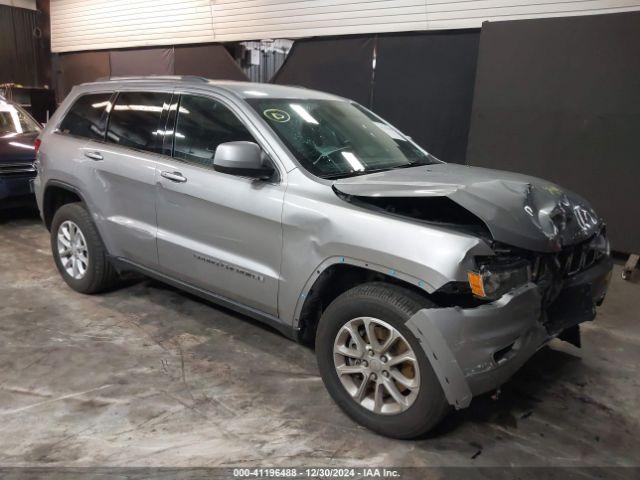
{"x": 167, "y": 78}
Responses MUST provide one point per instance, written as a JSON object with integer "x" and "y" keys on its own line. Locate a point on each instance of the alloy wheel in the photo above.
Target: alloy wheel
{"x": 72, "y": 250}
{"x": 376, "y": 365}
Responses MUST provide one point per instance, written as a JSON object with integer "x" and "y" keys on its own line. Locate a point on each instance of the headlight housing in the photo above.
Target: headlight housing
{"x": 600, "y": 245}
{"x": 496, "y": 276}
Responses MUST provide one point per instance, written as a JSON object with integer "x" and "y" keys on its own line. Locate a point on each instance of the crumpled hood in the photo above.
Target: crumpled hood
{"x": 519, "y": 210}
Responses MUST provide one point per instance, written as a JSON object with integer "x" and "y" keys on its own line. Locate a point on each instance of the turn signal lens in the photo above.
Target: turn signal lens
{"x": 476, "y": 283}
{"x": 37, "y": 144}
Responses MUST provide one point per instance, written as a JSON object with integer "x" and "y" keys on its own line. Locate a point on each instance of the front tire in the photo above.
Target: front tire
{"x": 372, "y": 364}
{"x": 78, "y": 251}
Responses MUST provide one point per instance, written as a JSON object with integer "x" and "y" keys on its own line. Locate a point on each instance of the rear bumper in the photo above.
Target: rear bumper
{"x": 476, "y": 350}
{"x": 16, "y": 191}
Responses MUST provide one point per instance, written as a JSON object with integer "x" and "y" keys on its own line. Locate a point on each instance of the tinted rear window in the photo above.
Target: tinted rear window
{"x": 134, "y": 120}
{"x": 87, "y": 118}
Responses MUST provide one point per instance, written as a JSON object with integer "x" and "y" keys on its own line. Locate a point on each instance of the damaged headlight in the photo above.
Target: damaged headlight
{"x": 600, "y": 244}
{"x": 495, "y": 277}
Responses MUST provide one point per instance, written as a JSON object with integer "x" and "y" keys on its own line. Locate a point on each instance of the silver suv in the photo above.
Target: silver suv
{"x": 421, "y": 283}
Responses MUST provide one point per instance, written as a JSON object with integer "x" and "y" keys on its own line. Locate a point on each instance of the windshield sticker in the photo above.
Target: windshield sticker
{"x": 277, "y": 115}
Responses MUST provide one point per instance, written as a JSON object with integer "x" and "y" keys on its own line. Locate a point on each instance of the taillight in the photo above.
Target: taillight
{"x": 37, "y": 144}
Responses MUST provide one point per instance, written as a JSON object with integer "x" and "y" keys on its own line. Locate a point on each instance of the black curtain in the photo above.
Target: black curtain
{"x": 142, "y": 61}
{"x": 210, "y": 61}
{"x": 342, "y": 66}
{"x": 422, "y": 83}
{"x": 560, "y": 99}
{"x": 20, "y": 43}
{"x": 75, "y": 68}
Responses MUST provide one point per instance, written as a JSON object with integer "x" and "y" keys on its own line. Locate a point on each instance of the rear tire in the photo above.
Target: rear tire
{"x": 379, "y": 308}
{"x": 78, "y": 251}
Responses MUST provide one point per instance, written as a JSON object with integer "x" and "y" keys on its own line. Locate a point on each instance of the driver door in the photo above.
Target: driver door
{"x": 216, "y": 231}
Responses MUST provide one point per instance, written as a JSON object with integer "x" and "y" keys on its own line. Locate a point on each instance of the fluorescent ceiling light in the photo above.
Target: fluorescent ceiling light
{"x": 306, "y": 116}
{"x": 139, "y": 108}
{"x": 22, "y": 145}
{"x": 353, "y": 161}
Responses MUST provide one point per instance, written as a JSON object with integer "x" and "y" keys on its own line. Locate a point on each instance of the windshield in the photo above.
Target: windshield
{"x": 14, "y": 120}
{"x": 335, "y": 138}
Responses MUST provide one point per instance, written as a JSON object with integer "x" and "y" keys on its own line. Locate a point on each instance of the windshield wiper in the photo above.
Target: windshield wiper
{"x": 336, "y": 176}
{"x": 357, "y": 173}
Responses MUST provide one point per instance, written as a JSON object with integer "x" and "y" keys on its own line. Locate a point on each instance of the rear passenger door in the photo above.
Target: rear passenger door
{"x": 120, "y": 174}
{"x": 216, "y": 231}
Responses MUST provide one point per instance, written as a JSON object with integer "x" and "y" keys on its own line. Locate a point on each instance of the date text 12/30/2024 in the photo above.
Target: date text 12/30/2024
{"x": 359, "y": 473}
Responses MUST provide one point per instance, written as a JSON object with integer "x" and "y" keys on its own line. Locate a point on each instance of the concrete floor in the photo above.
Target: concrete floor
{"x": 147, "y": 375}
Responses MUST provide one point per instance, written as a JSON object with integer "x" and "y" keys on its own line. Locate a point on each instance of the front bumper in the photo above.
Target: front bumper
{"x": 16, "y": 191}
{"x": 477, "y": 349}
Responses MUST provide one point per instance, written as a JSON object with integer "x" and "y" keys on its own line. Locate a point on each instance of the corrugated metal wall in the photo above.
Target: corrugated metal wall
{"x": 256, "y": 19}
{"x": 30, "y": 4}
{"x": 97, "y": 24}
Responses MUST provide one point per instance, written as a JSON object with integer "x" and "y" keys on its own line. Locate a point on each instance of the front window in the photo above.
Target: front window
{"x": 335, "y": 138}
{"x": 15, "y": 121}
{"x": 203, "y": 124}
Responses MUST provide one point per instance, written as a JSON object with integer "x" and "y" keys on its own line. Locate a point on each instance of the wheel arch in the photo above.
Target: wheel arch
{"x": 336, "y": 275}
{"x": 57, "y": 194}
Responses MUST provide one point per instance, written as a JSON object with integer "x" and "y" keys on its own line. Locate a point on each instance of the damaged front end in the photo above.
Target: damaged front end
{"x": 550, "y": 268}
{"x": 571, "y": 282}
{"x": 476, "y": 349}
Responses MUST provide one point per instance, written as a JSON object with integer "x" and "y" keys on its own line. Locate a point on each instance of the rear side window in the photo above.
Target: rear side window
{"x": 135, "y": 120}
{"x": 87, "y": 117}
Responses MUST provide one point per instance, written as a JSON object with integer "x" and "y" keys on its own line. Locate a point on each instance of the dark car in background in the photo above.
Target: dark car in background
{"x": 18, "y": 132}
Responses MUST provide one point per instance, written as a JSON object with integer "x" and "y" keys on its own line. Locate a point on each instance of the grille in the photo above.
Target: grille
{"x": 571, "y": 260}
{"x": 576, "y": 259}
{"x": 550, "y": 270}
{"x": 9, "y": 169}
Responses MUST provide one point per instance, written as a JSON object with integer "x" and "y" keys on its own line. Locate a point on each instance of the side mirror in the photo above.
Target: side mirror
{"x": 244, "y": 159}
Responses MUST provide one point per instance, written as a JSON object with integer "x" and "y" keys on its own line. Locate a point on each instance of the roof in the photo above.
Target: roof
{"x": 241, "y": 89}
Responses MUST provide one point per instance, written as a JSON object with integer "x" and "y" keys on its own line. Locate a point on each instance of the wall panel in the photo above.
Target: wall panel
{"x": 29, "y": 4}
{"x": 20, "y": 51}
{"x": 424, "y": 85}
{"x": 210, "y": 61}
{"x": 341, "y": 66}
{"x": 76, "y": 68}
{"x": 256, "y": 19}
{"x": 101, "y": 24}
{"x": 144, "y": 61}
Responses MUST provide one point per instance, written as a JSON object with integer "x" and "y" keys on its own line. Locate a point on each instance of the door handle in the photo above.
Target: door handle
{"x": 93, "y": 155}
{"x": 174, "y": 176}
